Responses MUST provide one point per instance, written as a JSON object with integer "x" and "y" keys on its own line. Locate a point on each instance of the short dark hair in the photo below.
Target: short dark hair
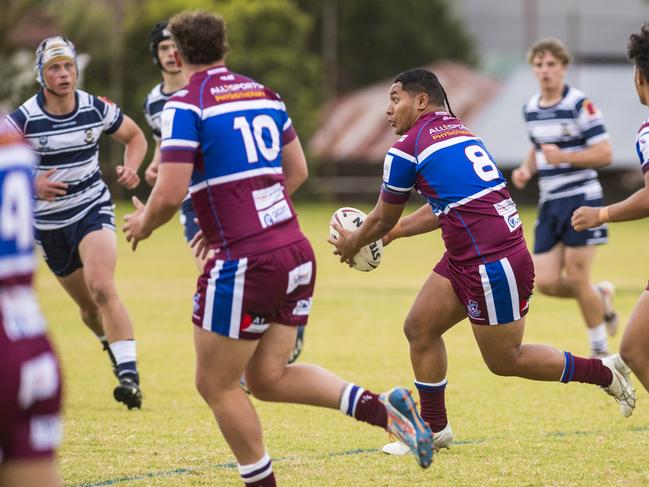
{"x": 200, "y": 36}
{"x": 638, "y": 50}
{"x": 419, "y": 80}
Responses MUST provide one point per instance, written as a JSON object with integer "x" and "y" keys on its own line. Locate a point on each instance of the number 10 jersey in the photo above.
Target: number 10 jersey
{"x": 448, "y": 165}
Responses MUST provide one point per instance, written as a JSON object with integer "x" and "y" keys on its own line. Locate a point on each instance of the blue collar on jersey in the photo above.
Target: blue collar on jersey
{"x": 40, "y": 99}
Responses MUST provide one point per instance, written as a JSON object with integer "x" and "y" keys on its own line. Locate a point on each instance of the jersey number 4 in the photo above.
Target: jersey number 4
{"x": 16, "y": 209}
{"x": 483, "y": 166}
{"x": 254, "y": 140}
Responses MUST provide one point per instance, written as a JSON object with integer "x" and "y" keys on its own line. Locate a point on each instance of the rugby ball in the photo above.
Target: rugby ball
{"x": 368, "y": 258}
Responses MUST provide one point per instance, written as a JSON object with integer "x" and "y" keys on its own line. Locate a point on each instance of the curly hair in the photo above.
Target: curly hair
{"x": 638, "y": 50}
{"x": 553, "y": 46}
{"x": 200, "y": 36}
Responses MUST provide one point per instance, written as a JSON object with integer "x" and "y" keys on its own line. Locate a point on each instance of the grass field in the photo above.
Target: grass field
{"x": 509, "y": 432}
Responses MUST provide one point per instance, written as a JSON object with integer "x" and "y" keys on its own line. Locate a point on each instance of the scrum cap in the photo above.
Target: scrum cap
{"x": 158, "y": 34}
{"x": 50, "y": 50}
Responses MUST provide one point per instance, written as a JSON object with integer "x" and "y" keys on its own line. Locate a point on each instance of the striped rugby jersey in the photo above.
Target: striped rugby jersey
{"x": 70, "y": 144}
{"x": 232, "y": 130}
{"x": 642, "y": 145}
{"x": 153, "y": 105}
{"x": 451, "y": 167}
{"x": 573, "y": 124}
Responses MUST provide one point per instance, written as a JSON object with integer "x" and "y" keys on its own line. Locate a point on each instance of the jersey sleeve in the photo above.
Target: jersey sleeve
{"x": 180, "y": 129}
{"x": 590, "y": 122}
{"x": 110, "y": 113}
{"x": 399, "y": 175}
{"x": 17, "y": 121}
{"x": 642, "y": 147}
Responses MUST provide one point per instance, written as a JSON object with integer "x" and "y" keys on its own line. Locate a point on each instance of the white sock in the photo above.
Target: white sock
{"x": 598, "y": 338}
{"x": 123, "y": 351}
{"x": 256, "y": 471}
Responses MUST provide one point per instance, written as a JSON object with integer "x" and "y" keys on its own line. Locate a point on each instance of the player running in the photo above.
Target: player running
{"x": 634, "y": 348}
{"x": 74, "y": 218}
{"x": 486, "y": 273}
{"x": 232, "y": 137}
{"x": 30, "y": 379}
{"x": 569, "y": 142}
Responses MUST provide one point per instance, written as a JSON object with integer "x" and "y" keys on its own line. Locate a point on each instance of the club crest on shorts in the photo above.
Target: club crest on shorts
{"x": 472, "y": 309}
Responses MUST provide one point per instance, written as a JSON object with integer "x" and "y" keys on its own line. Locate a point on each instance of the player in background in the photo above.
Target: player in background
{"x": 569, "y": 143}
{"x": 74, "y": 217}
{"x": 486, "y": 273}
{"x": 162, "y": 48}
{"x": 634, "y": 348}
{"x": 232, "y": 137}
{"x": 30, "y": 379}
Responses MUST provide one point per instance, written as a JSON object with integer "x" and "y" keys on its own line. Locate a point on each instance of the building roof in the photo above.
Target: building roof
{"x": 354, "y": 126}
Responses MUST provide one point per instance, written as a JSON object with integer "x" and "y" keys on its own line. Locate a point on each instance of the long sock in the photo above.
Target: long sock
{"x": 124, "y": 352}
{"x": 258, "y": 474}
{"x": 598, "y": 338}
{"x": 433, "y": 404}
{"x": 587, "y": 370}
{"x": 363, "y": 405}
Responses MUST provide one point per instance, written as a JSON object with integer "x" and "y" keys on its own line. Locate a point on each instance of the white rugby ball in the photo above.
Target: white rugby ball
{"x": 368, "y": 258}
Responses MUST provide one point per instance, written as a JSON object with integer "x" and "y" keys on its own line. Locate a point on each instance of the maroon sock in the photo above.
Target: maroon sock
{"x": 433, "y": 404}
{"x": 268, "y": 481}
{"x": 591, "y": 371}
{"x": 370, "y": 410}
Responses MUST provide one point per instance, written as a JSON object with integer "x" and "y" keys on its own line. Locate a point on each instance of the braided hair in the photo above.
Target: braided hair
{"x": 419, "y": 80}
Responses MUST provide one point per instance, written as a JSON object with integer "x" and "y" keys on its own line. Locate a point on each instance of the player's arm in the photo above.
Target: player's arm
{"x": 135, "y": 145}
{"x": 634, "y": 207}
{"x": 421, "y": 221}
{"x": 378, "y": 222}
{"x": 151, "y": 172}
{"x": 167, "y": 196}
{"x": 522, "y": 174}
{"x": 596, "y": 156}
{"x": 294, "y": 165}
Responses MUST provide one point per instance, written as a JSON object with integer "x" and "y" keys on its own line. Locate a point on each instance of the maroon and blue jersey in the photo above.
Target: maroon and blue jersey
{"x": 642, "y": 145}
{"x": 442, "y": 160}
{"x": 232, "y": 130}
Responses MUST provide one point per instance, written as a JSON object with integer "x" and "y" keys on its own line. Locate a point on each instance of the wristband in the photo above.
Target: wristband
{"x": 603, "y": 215}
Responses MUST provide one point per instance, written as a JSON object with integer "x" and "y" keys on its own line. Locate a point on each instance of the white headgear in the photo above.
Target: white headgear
{"x": 50, "y": 50}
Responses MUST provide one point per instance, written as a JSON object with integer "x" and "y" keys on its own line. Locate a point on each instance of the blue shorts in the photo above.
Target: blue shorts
{"x": 61, "y": 246}
{"x": 553, "y": 225}
{"x": 187, "y": 216}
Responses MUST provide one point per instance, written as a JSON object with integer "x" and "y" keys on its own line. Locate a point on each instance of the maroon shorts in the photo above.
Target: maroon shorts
{"x": 30, "y": 398}
{"x": 240, "y": 298}
{"x": 493, "y": 293}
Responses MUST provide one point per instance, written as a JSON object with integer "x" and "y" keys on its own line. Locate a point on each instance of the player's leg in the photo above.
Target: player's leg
{"x": 549, "y": 277}
{"x": 29, "y": 473}
{"x": 634, "y": 348}
{"x": 98, "y": 251}
{"x": 578, "y": 265}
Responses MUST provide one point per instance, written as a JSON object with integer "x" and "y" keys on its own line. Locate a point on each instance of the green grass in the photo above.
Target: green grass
{"x": 510, "y": 432}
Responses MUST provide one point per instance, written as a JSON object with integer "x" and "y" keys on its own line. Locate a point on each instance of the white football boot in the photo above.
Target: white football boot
{"x": 442, "y": 439}
{"x": 620, "y": 388}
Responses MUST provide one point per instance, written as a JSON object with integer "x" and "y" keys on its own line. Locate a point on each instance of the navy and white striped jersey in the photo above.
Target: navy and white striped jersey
{"x": 153, "y": 105}
{"x": 573, "y": 124}
{"x": 70, "y": 144}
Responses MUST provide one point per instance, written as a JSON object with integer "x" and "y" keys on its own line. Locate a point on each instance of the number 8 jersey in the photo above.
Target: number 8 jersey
{"x": 442, "y": 160}
{"x": 232, "y": 130}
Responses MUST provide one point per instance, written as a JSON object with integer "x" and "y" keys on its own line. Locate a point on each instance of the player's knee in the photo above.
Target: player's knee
{"x": 416, "y": 330}
{"x": 262, "y": 384}
{"x": 500, "y": 364}
{"x": 632, "y": 354}
{"x": 102, "y": 292}
{"x": 547, "y": 285}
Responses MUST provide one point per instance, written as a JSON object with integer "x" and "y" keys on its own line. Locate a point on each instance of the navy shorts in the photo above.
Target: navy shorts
{"x": 187, "y": 216}
{"x": 61, "y": 246}
{"x": 553, "y": 225}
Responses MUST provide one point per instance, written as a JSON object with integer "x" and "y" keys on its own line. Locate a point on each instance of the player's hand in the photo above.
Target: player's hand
{"x": 520, "y": 177}
{"x": 552, "y": 153}
{"x": 585, "y": 217}
{"x": 133, "y": 227}
{"x": 151, "y": 174}
{"x": 344, "y": 247}
{"x": 200, "y": 245}
{"x": 47, "y": 189}
{"x": 127, "y": 177}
